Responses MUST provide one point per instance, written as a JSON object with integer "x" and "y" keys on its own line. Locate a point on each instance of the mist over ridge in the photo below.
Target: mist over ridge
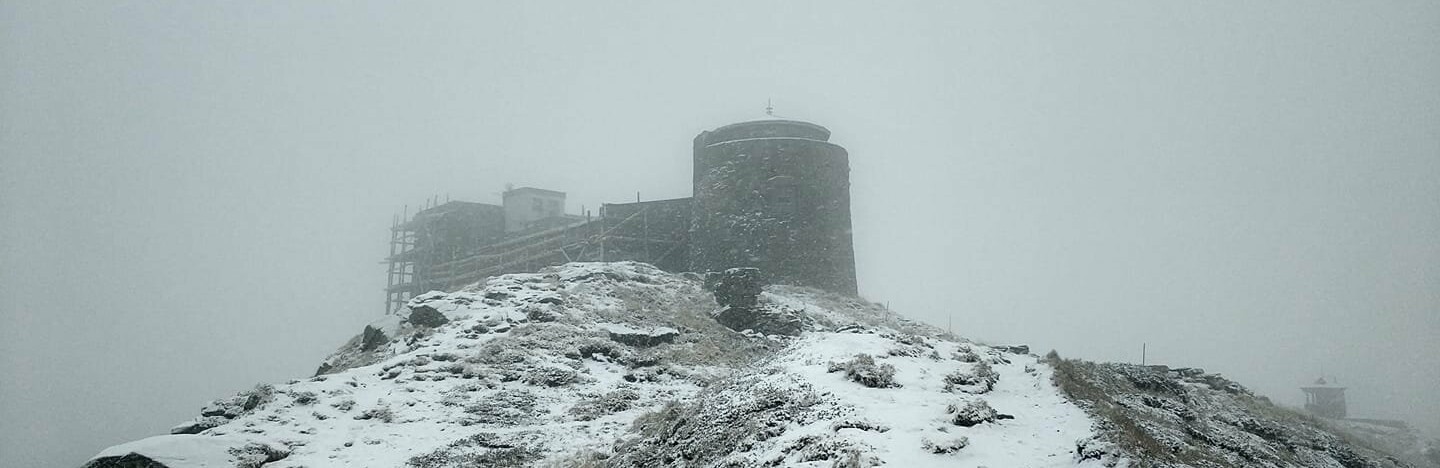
{"x": 194, "y": 198}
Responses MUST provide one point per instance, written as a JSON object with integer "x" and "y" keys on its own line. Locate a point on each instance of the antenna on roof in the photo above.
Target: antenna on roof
{"x": 769, "y": 108}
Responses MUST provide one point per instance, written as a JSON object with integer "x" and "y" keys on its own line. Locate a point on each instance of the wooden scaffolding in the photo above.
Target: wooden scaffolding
{"x": 622, "y": 232}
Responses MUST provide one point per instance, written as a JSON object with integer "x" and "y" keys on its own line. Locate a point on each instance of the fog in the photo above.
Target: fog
{"x": 195, "y": 197}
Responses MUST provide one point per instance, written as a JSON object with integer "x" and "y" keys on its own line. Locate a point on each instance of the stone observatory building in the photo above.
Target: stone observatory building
{"x": 772, "y": 194}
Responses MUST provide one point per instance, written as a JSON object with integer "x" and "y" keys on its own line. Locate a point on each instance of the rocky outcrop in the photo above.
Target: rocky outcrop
{"x": 186, "y": 451}
{"x": 762, "y": 320}
{"x": 222, "y": 411}
{"x": 367, "y": 347}
{"x": 1394, "y": 437}
{"x": 129, "y": 460}
{"x": 736, "y": 287}
{"x": 372, "y": 337}
{"x": 623, "y": 365}
{"x": 1185, "y": 417}
{"x": 641, "y": 338}
{"x": 737, "y": 290}
{"x": 199, "y": 424}
{"x": 1017, "y": 349}
{"x": 426, "y": 316}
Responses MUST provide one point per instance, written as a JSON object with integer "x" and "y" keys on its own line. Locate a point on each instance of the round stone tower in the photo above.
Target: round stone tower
{"x": 775, "y": 195}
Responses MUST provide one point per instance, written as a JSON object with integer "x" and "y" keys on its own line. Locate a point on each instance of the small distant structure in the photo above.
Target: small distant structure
{"x": 1325, "y": 399}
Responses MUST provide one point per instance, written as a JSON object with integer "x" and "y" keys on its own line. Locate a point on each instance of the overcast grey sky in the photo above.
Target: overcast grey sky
{"x": 194, "y": 196}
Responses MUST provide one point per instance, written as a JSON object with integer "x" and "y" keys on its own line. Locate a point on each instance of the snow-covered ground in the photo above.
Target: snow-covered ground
{"x": 600, "y": 364}
{"x": 1042, "y": 432}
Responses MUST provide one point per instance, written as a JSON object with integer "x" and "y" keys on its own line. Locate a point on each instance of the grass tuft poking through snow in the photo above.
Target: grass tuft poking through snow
{"x": 863, "y": 370}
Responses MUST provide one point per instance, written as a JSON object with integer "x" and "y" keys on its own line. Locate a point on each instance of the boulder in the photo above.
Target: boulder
{"x": 228, "y": 408}
{"x": 738, "y": 290}
{"x": 759, "y": 319}
{"x": 129, "y": 460}
{"x": 176, "y": 451}
{"x": 426, "y": 316}
{"x": 1188, "y": 371}
{"x": 641, "y": 338}
{"x": 372, "y": 338}
{"x": 1015, "y": 349}
{"x": 199, "y": 425}
{"x": 736, "y": 287}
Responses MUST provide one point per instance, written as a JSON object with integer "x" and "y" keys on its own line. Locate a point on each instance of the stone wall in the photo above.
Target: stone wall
{"x": 655, "y": 232}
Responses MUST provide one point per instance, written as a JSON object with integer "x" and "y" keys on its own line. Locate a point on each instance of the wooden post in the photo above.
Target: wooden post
{"x": 390, "y": 273}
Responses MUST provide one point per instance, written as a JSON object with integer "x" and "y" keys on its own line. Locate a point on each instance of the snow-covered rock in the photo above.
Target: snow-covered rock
{"x": 191, "y": 451}
{"x": 1185, "y": 417}
{"x": 640, "y": 338}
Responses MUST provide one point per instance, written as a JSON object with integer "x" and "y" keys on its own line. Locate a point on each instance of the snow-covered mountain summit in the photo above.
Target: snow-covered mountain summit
{"x": 621, "y": 364}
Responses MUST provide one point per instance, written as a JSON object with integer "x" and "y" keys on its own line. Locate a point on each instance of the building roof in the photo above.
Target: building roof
{"x": 769, "y": 127}
{"x": 439, "y": 211}
{"x": 456, "y": 205}
{"x": 533, "y": 190}
{"x": 1322, "y": 385}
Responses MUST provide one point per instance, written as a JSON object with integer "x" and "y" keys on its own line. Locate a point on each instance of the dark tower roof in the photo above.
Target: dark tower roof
{"x": 766, "y": 128}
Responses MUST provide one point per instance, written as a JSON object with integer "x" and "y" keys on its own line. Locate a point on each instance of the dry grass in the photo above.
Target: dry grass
{"x": 1074, "y": 378}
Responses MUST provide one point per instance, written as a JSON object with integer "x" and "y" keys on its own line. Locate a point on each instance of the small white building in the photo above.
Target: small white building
{"x": 1325, "y": 399}
{"x": 526, "y": 205}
